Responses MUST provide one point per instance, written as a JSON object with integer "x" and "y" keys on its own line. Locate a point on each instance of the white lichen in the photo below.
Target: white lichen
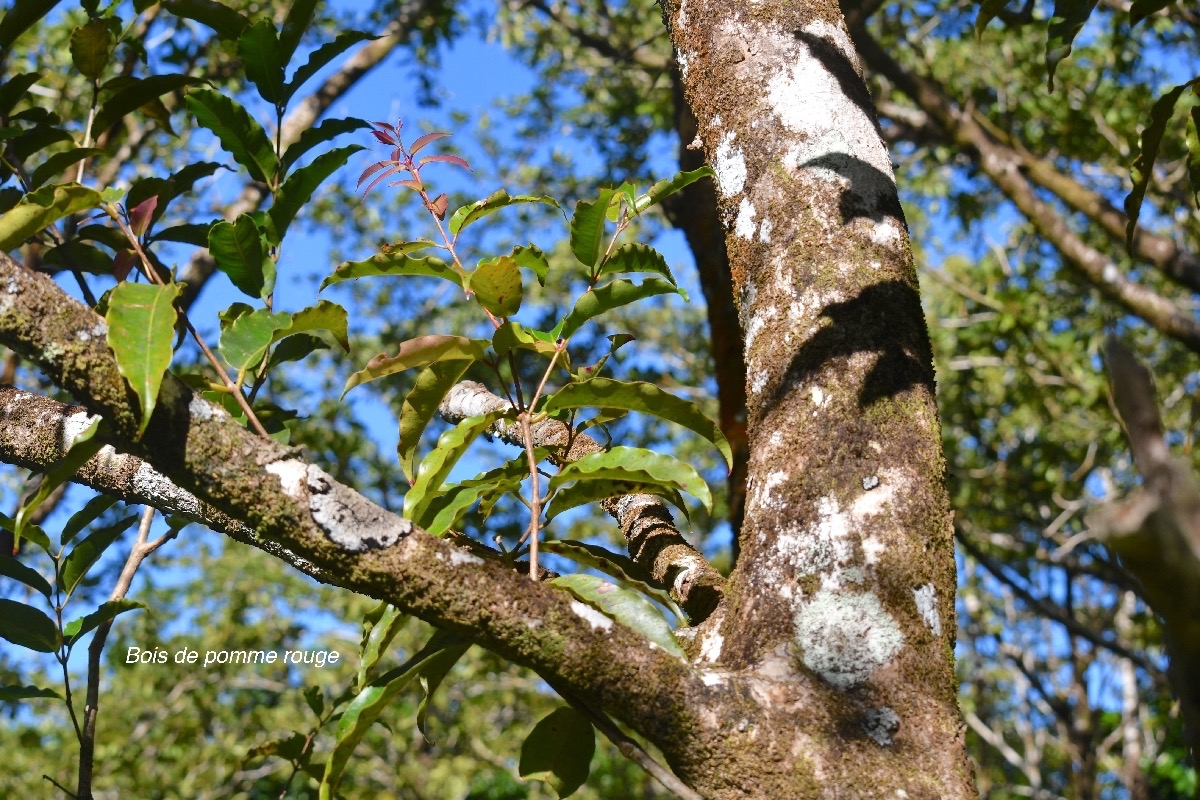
{"x": 291, "y": 473}
{"x": 764, "y": 231}
{"x": 845, "y": 636}
{"x": 201, "y": 409}
{"x": 881, "y": 725}
{"x": 729, "y": 166}
{"x": 886, "y": 232}
{"x": 744, "y": 226}
{"x": 926, "y": 600}
{"x": 596, "y": 619}
{"x": 460, "y": 557}
{"x": 819, "y": 397}
{"x": 710, "y": 648}
{"x": 73, "y": 426}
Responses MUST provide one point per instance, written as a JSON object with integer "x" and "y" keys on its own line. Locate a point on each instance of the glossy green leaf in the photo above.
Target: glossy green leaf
{"x": 624, "y": 195}
{"x": 532, "y": 258}
{"x": 421, "y": 404}
{"x": 244, "y": 343}
{"x": 20, "y": 16}
{"x": 393, "y": 261}
{"x": 1143, "y": 166}
{"x": 237, "y": 248}
{"x": 9, "y": 694}
{"x": 195, "y": 234}
{"x": 431, "y": 675}
{"x": 490, "y": 205}
{"x": 138, "y": 93}
{"x": 299, "y": 17}
{"x": 587, "y": 228}
{"x": 625, "y": 606}
{"x": 645, "y": 398}
{"x": 85, "y": 516}
{"x": 13, "y": 569}
{"x": 311, "y": 137}
{"x": 559, "y": 750}
{"x": 83, "y": 446}
{"x": 91, "y": 47}
{"x": 228, "y": 23}
{"x": 141, "y": 331}
{"x": 237, "y": 131}
{"x": 514, "y": 336}
{"x": 85, "y": 554}
{"x": 636, "y": 257}
{"x": 326, "y": 315}
{"x": 366, "y": 707}
{"x": 497, "y": 286}
{"x": 1069, "y": 17}
{"x": 58, "y": 163}
{"x": 669, "y": 186}
{"x": 609, "y": 296}
{"x": 27, "y": 627}
{"x": 295, "y": 348}
{"x": 636, "y": 465}
{"x": 107, "y": 611}
{"x": 322, "y": 56}
{"x": 584, "y": 492}
{"x": 437, "y": 464}
{"x": 448, "y": 508}
{"x": 380, "y": 626}
{"x": 300, "y": 185}
{"x": 419, "y": 352}
{"x": 38, "y": 210}
{"x": 1140, "y": 9}
{"x": 263, "y": 59}
{"x": 618, "y": 566}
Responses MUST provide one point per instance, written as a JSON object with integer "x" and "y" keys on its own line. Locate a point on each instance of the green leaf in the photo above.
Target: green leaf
{"x": 137, "y": 93}
{"x": 490, "y": 205}
{"x": 625, "y": 606}
{"x": 393, "y": 261}
{"x": 326, "y": 315}
{"x": 16, "y": 87}
{"x": 10, "y": 567}
{"x": 300, "y": 185}
{"x": 1140, "y": 9}
{"x": 263, "y": 60}
{"x": 193, "y": 233}
{"x": 431, "y": 675}
{"x": 669, "y": 186}
{"x": 380, "y": 626}
{"x": 299, "y": 17}
{"x": 58, "y": 163}
{"x": 81, "y": 559}
{"x": 533, "y": 259}
{"x": 168, "y": 189}
{"x": 497, "y": 286}
{"x": 587, "y": 228}
{"x": 10, "y": 694}
{"x": 1143, "y": 166}
{"x": 322, "y": 56}
{"x": 295, "y": 348}
{"x": 636, "y": 465}
{"x": 1069, "y": 17}
{"x": 447, "y": 509}
{"x": 421, "y": 404}
{"x": 141, "y": 329}
{"x": 76, "y": 628}
{"x": 30, "y": 532}
{"x": 311, "y": 137}
{"x": 437, "y": 465}
{"x": 366, "y": 707}
{"x": 514, "y": 336}
{"x": 1193, "y": 153}
{"x": 988, "y": 11}
{"x": 612, "y": 295}
{"x": 228, "y": 23}
{"x": 20, "y": 17}
{"x": 38, "y": 210}
{"x": 83, "y": 446}
{"x": 615, "y": 565}
{"x": 559, "y": 750}
{"x": 244, "y": 343}
{"x": 27, "y": 627}
{"x": 615, "y": 342}
{"x": 85, "y": 516}
{"x": 237, "y": 249}
{"x": 419, "y": 352}
{"x": 645, "y": 398}
{"x": 237, "y": 131}
{"x": 584, "y": 492}
{"x": 91, "y": 47}
{"x": 635, "y": 257}
{"x": 625, "y": 194}
{"x": 289, "y": 748}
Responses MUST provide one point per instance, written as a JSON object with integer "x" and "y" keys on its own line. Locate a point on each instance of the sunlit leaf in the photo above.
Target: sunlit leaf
{"x": 419, "y": 352}
{"x": 141, "y": 332}
{"x": 27, "y": 627}
{"x": 451, "y": 446}
{"x": 421, "y": 404}
{"x": 107, "y": 611}
{"x": 244, "y": 343}
{"x": 490, "y": 205}
{"x": 237, "y": 248}
{"x": 380, "y": 626}
{"x": 637, "y": 257}
{"x": 263, "y": 59}
{"x": 625, "y": 606}
{"x": 636, "y": 465}
{"x": 609, "y": 296}
{"x": 85, "y": 554}
{"x": 669, "y": 186}
{"x": 618, "y": 566}
{"x": 497, "y": 286}
{"x": 394, "y": 261}
{"x": 587, "y": 228}
{"x": 38, "y": 210}
{"x": 311, "y": 137}
{"x": 237, "y": 131}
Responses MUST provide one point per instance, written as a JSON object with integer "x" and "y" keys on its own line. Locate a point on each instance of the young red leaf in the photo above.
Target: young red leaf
{"x": 438, "y": 206}
{"x": 386, "y": 173}
{"x": 371, "y": 170}
{"x": 426, "y": 139}
{"x": 411, "y": 183}
{"x": 447, "y": 159}
{"x": 123, "y": 264}
{"x": 386, "y": 138}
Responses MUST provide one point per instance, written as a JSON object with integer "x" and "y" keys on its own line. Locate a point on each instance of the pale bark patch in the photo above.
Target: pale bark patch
{"x": 926, "y": 599}
{"x": 729, "y": 166}
{"x": 845, "y": 636}
{"x": 591, "y": 616}
{"x": 744, "y": 226}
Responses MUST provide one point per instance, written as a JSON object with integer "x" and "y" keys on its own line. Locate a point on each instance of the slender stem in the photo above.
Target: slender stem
{"x": 87, "y": 131}
{"x": 154, "y": 278}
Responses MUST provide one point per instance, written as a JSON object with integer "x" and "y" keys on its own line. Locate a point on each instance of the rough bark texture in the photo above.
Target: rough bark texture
{"x": 845, "y": 586}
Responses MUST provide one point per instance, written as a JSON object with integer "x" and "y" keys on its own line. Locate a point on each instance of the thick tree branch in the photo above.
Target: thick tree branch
{"x": 1004, "y": 167}
{"x": 654, "y": 541}
{"x": 341, "y": 537}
